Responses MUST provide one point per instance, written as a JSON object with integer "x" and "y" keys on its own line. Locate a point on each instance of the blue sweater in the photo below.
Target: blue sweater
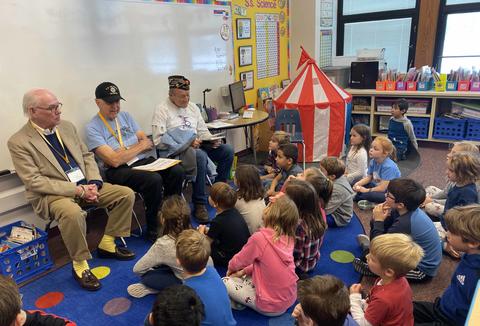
{"x": 459, "y": 196}
{"x": 211, "y": 290}
{"x": 420, "y": 227}
{"x": 457, "y": 298}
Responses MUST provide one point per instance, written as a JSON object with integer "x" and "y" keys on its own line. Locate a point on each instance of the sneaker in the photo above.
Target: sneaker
{"x": 362, "y": 267}
{"x": 364, "y": 241}
{"x": 237, "y": 306}
{"x": 365, "y": 204}
{"x": 201, "y": 214}
{"x": 138, "y": 290}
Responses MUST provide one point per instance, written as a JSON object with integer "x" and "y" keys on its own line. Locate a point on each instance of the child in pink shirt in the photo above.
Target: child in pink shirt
{"x": 262, "y": 275}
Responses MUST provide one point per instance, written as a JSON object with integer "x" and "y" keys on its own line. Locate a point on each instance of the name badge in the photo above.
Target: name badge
{"x": 75, "y": 175}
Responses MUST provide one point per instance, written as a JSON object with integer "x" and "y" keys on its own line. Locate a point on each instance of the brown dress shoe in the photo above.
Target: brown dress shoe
{"x": 88, "y": 281}
{"x": 201, "y": 214}
{"x": 121, "y": 253}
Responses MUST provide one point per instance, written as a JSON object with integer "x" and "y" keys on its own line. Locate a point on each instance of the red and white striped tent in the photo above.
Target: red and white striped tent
{"x": 324, "y": 109}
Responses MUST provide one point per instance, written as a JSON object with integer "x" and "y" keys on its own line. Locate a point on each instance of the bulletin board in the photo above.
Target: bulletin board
{"x": 267, "y": 40}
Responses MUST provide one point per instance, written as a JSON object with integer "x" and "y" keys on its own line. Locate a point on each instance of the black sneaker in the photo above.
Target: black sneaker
{"x": 362, "y": 267}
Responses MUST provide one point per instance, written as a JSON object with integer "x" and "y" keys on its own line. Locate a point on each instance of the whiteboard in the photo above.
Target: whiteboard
{"x": 70, "y": 46}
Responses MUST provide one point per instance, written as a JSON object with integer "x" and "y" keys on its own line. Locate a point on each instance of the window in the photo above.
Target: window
{"x": 456, "y": 44}
{"x": 373, "y": 24}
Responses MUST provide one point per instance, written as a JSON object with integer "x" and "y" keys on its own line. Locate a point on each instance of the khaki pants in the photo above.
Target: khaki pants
{"x": 68, "y": 212}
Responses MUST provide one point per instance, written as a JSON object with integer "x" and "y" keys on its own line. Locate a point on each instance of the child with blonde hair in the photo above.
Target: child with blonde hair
{"x": 381, "y": 170}
{"x": 193, "y": 251}
{"x": 262, "y": 275}
{"x": 340, "y": 206}
{"x": 390, "y": 300}
{"x": 434, "y": 204}
{"x": 463, "y": 224}
{"x": 311, "y": 227}
{"x": 357, "y": 158}
{"x": 250, "y": 193}
{"x": 159, "y": 268}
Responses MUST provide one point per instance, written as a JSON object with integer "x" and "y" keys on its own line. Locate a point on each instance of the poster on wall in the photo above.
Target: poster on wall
{"x": 267, "y": 45}
{"x": 245, "y": 55}
{"x": 243, "y": 28}
{"x": 247, "y": 78}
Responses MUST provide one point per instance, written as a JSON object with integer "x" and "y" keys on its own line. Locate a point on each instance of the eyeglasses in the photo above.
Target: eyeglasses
{"x": 54, "y": 107}
{"x": 389, "y": 195}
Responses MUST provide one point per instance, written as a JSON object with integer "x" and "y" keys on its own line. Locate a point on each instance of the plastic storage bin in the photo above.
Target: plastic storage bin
{"x": 446, "y": 128}
{"x": 420, "y": 126}
{"x": 27, "y": 260}
{"x": 473, "y": 129}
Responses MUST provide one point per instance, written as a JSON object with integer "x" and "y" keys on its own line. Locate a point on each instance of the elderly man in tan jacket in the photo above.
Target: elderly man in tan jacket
{"x": 61, "y": 178}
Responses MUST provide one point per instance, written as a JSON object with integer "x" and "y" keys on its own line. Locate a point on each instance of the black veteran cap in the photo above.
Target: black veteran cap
{"x": 108, "y": 92}
{"x": 179, "y": 82}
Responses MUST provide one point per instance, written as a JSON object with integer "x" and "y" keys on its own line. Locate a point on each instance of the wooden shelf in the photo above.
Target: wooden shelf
{"x": 434, "y": 97}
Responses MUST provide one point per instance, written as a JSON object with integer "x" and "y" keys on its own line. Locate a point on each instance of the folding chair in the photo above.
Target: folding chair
{"x": 288, "y": 120}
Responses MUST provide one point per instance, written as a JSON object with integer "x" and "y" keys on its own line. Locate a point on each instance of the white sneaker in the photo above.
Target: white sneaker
{"x": 363, "y": 240}
{"x": 138, "y": 290}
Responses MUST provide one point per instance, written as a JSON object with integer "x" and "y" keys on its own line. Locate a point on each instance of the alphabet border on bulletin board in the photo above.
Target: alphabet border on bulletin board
{"x": 244, "y": 28}
{"x": 245, "y": 55}
{"x": 247, "y": 78}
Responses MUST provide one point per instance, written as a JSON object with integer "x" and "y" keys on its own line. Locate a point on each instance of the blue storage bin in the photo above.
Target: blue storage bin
{"x": 447, "y": 128}
{"x": 27, "y": 260}
{"x": 473, "y": 130}
{"x": 420, "y": 126}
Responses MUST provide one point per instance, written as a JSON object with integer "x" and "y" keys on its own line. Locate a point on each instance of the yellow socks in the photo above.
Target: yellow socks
{"x": 80, "y": 266}
{"x": 107, "y": 243}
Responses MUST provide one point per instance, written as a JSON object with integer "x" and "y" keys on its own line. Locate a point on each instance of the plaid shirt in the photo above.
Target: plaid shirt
{"x": 307, "y": 250}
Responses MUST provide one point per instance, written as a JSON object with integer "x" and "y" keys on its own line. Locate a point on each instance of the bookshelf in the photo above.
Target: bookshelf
{"x": 436, "y": 103}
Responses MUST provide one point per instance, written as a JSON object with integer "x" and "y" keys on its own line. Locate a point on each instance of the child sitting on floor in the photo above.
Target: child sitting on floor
{"x": 12, "y": 314}
{"x": 463, "y": 170}
{"x": 401, "y": 214}
{"x": 287, "y": 156}
{"x": 434, "y": 204}
{"x": 176, "y": 305}
{"x": 463, "y": 224}
{"x": 250, "y": 193}
{"x": 340, "y": 206}
{"x": 193, "y": 251}
{"x": 323, "y": 300}
{"x": 390, "y": 300}
{"x": 400, "y": 129}
{"x": 228, "y": 232}
{"x": 159, "y": 268}
{"x": 311, "y": 227}
{"x": 381, "y": 170}
{"x": 270, "y": 168}
{"x": 357, "y": 158}
{"x": 262, "y": 275}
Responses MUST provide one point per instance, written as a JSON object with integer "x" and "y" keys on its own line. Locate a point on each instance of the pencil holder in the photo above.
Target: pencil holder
{"x": 463, "y": 85}
{"x": 380, "y": 85}
{"x": 401, "y": 85}
{"x": 424, "y": 86}
{"x": 440, "y": 86}
{"x": 451, "y": 85}
{"x": 475, "y": 87}
{"x": 411, "y": 86}
{"x": 390, "y": 85}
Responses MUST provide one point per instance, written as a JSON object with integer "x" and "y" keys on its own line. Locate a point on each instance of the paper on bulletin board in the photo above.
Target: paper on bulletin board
{"x": 267, "y": 45}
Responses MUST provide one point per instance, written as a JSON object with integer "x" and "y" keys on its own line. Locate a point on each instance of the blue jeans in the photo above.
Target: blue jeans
{"x": 223, "y": 156}
{"x": 373, "y": 196}
{"x": 160, "y": 278}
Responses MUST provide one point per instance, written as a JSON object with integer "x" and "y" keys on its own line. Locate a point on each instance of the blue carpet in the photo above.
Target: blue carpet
{"x": 89, "y": 308}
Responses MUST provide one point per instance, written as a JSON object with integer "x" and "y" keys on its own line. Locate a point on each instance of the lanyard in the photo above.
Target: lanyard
{"x": 119, "y": 137}
{"x": 63, "y": 155}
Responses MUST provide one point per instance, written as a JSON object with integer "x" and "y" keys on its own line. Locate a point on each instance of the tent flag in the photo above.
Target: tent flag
{"x": 324, "y": 109}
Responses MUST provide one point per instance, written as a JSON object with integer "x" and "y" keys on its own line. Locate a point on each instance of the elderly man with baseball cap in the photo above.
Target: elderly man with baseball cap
{"x": 116, "y": 139}
{"x": 177, "y": 112}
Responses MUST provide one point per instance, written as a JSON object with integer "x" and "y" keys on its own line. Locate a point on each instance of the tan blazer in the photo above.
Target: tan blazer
{"x": 40, "y": 171}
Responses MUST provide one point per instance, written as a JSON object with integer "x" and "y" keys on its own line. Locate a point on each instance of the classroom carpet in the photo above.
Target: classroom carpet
{"x": 59, "y": 294}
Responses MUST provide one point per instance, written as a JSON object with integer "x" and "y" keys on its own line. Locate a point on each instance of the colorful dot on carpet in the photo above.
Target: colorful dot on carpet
{"x": 49, "y": 300}
{"x": 101, "y": 271}
{"x": 342, "y": 256}
{"x": 116, "y": 306}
